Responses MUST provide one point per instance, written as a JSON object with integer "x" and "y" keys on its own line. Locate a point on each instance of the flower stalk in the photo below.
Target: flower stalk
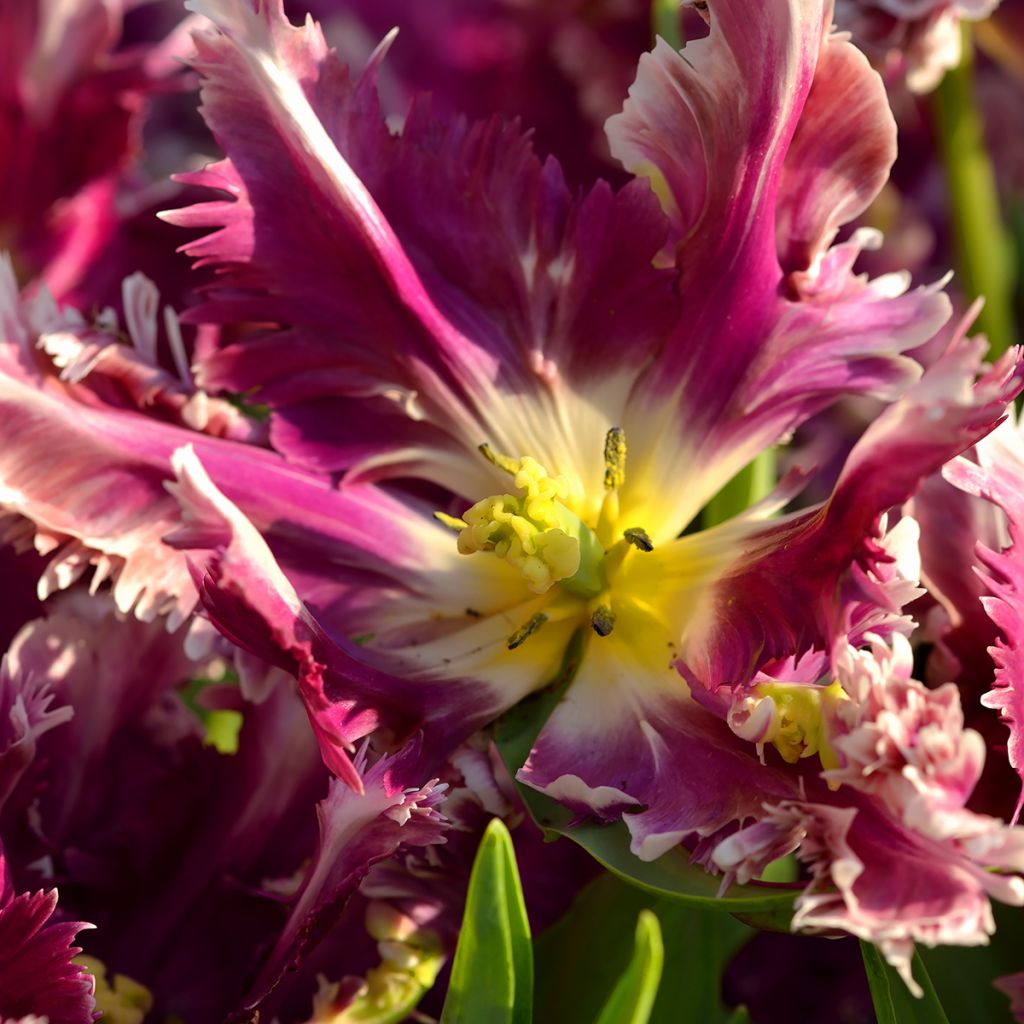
{"x": 983, "y": 253}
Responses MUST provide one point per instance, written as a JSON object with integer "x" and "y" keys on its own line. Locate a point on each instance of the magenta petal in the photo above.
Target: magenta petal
{"x": 358, "y": 827}
{"x": 758, "y": 157}
{"x": 795, "y": 564}
{"x": 623, "y": 741}
{"x": 348, "y": 691}
{"x": 37, "y": 976}
{"x": 840, "y": 155}
{"x": 357, "y": 235}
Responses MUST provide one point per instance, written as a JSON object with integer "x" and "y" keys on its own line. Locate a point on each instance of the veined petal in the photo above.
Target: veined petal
{"x": 710, "y": 127}
{"x": 628, "y": 738}
{"x": 839, "y": 158}
{"x": 552, "y": 291}
{"x": 759, "y": 159}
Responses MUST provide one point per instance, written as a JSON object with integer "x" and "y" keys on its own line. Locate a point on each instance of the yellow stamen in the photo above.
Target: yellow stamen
{"x": 534, "y": 531}
{"x": 504, "y": 462}
{"x": 638, "y": 537}
{"x": 520, "y": 636}
{"x": 614, "y": 459}
{"x": 452, "y": 522}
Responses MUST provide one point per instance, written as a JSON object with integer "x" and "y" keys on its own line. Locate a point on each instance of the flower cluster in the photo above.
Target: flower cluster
{"x": 393, "y": 421}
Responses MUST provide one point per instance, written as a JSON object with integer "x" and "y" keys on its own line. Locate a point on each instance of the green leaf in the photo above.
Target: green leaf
{"x": 632, "y": 999}
{"x": 598, "y": 929}
{"x": 672, "y": 876}
{"x": 741, "y": 1015}
{"x": 893, "y": 1001}
{"x": 963, "y": 975}
{"x": 492, "y": 974}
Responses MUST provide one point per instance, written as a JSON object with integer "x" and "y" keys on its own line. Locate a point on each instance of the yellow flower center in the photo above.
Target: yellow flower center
{"x": 800, "y": 722}
{"x": 535, "y": 531}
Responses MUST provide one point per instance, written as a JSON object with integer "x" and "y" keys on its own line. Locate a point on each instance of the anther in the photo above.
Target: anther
{"x": 504, "y": 462}
{"x": 637, "y": 536}
{"x": 452, "y": 522}
{"x": 614, "y": 459}
{"x": 520, "y": 636}
{"x": 603, "y": 620}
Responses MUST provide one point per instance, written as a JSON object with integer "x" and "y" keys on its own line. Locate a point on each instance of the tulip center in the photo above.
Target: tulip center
{"x": 535, "y": 531}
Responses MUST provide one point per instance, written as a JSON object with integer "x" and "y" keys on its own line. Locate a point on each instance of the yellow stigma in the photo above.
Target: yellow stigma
{"x": 533, "y": 531}
{"x": 800, "y": 723}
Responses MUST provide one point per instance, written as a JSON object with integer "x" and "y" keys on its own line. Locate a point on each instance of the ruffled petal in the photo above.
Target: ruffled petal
{"x": 37, "y": 972}
{"x": 795, "y": 563}
{"x": 551, "y": 291}
{"x": 877, "y": 880}
{"x": 999, "y": 477}
{"x": 628, "y": 741}
{"x": 408, "y": 682}
{"x": 839, "y": 158}
{"x": 118, "y": 450}
{"x": 750, "y": 141}
{"x": 356, "y": 831}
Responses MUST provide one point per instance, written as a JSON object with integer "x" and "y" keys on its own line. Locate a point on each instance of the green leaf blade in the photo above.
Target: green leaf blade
{"x": 893, "y": 1001}
{"x": 492, "y": 974}
{"x": 633, "y": 997}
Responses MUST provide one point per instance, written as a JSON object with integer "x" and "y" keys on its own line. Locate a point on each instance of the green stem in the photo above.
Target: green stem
{"x": 982, "y": 250}
{"x": 666, "y": 21}
{"x": 752, "y": 483}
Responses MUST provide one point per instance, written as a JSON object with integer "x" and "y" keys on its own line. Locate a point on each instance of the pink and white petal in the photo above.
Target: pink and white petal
{"x": 131, "y": 375}
{"x": 795, "y": 564}
{"x": 883, "y": 883}
{"x": 627, "y": 740}
{"x": 998, "y": 476}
